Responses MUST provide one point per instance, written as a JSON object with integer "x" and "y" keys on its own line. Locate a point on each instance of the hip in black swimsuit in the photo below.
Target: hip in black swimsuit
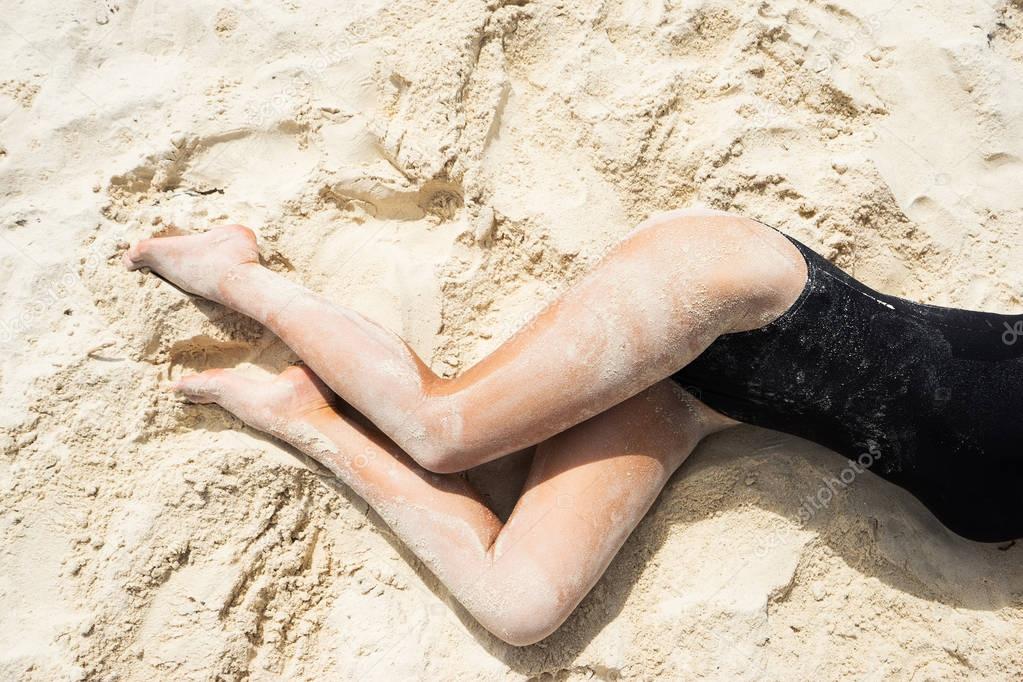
{"x": 929, "y": 398}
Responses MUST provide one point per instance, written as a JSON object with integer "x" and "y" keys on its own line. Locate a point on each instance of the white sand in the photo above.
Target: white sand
{"x": 445, "y": 168}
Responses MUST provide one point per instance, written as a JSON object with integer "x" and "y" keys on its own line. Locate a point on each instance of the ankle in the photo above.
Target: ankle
{"x": 233, "y": 280}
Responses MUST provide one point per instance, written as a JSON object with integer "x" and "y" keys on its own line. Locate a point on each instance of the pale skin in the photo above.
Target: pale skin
{"x": 583, "y": 387}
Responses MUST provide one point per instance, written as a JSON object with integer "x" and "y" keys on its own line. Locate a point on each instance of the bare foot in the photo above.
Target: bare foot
{"x": 196, "y": 263}
{"x": 296, "y": 394}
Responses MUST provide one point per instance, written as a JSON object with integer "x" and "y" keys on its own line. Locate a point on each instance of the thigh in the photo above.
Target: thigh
{"x": 589, "y": 487}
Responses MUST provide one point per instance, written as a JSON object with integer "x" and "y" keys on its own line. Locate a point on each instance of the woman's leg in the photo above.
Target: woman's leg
{"x": 644, "y": 311}
{"x": 587, "y": 489}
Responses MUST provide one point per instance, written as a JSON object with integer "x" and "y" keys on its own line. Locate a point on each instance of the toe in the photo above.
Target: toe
{"x": 257, "y": 402}
{"x": 266, "y": 405}
{"x": 206, "y": 387}
{"x": 128, "y": 262}
{"x": 134, "y": 257}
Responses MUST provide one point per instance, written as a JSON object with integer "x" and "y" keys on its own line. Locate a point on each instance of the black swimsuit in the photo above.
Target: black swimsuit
{"x": 929, "y": 398}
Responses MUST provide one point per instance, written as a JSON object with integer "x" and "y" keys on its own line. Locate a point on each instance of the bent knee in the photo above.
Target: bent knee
{"x": 441, "y": 455}
{"x": 439, "y": 461}
{"x": 706, "y": 234}
{"x": 527, "y": 621}
{"x": 442, "y": 437}
{"x": 528, "y": 636}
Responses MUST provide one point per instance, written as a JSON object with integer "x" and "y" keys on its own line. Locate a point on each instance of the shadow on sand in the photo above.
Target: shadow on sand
{"x": 877, "y": 529}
